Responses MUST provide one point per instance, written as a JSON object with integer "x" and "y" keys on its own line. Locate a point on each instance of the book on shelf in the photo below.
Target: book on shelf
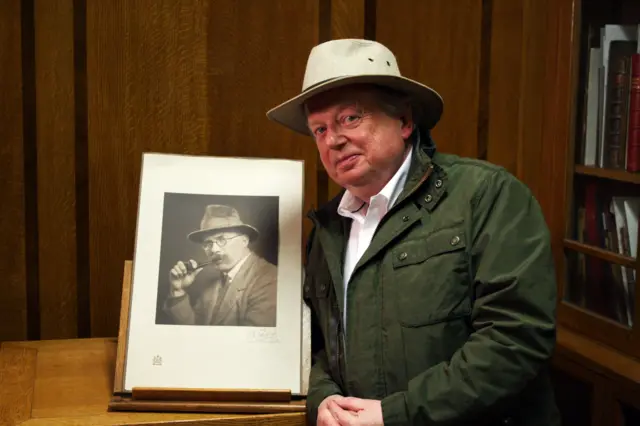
{"x": 609, "y": 222}
{"x": 610, "y": 136}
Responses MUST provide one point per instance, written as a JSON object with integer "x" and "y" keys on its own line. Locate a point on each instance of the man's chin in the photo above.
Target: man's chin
{"x": 351, "y": 179}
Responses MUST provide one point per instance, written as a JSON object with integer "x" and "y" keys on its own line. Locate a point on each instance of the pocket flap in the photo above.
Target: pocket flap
{"x": 417, "y": 251}
{"x": 436, "y": 317}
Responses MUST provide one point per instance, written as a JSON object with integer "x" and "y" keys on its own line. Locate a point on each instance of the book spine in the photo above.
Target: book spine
{"x": 633, "y": 142}
{"x": 616, "y": 114}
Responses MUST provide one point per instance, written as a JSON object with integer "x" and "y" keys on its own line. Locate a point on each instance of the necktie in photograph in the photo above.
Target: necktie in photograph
{"x": 218, "y": 290}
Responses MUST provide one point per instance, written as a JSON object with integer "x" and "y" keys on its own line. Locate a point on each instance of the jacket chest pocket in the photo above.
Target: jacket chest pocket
{"x": 430, "y": 278}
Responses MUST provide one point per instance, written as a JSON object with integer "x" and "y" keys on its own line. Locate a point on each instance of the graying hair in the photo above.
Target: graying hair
{"x": 392, "y": 102}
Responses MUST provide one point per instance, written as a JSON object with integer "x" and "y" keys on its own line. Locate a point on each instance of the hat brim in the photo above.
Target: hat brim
{"x": 199, "y": 236}
{"x": 291, "y": 113}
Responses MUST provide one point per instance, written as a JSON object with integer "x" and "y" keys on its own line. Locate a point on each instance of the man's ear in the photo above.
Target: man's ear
{"x": 406, "y": 126}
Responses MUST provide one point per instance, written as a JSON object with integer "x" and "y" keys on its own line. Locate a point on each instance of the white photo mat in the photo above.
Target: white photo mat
{"x": 218, "y": 357}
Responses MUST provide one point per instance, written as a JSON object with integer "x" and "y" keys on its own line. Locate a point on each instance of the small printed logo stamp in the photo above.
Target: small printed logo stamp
{"x": 157, "y": 360}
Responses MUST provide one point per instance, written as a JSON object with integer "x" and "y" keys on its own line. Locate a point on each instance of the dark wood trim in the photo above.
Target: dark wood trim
{"x": 598, "y": 357}
{"x": 611, "y": 174}
{"x": 83, "y": 272}
{"x": 484, "y": 79}
{"x": 324, "y": 21}
{"x": 600, "y": 253}
{"x": 30, "y": 148}
{"x": 370, "y": 19}
{"x": 324, "y": 34}
{"x": 613, "y": 377}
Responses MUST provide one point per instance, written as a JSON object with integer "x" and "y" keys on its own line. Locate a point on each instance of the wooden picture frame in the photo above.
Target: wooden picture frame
{"x": 203, "y": 392}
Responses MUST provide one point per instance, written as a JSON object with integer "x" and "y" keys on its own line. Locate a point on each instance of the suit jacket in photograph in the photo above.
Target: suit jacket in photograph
{"x": 248, "y": 300}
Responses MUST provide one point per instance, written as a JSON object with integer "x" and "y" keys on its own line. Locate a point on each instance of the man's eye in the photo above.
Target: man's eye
{"x": 351, "y": 118}
{"x": 319, "y": 130}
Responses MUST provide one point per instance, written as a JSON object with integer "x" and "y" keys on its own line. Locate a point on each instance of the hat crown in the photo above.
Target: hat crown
{"x": 348, "y": 57}
{"x": 220, "y": 216}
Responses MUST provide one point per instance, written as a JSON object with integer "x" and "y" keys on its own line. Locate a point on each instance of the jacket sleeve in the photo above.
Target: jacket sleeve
{"x": 513, "y": 315}
{"x": 321, "y": 385}
{"x": 180, "y": 310}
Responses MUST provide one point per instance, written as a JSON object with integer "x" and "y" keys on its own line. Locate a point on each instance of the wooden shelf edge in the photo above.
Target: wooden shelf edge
{"x": 600, "y": 253}
{"x": 611, "y": 174}
{"x": 598, "y": 357}
{"x": 596, "y": 316}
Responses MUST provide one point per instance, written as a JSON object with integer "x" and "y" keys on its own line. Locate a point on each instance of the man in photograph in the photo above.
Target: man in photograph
{"x": 236, "y": 288}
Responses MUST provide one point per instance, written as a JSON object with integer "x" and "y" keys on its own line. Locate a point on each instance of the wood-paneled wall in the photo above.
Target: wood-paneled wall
{"x": 87, "y": 86}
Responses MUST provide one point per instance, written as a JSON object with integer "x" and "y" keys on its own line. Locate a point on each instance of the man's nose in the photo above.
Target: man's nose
{"x": 336, "y": 139}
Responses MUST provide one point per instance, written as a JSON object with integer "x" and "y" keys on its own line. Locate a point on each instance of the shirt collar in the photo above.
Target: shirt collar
{"x": 233, "y": 271}
{"x": 350, "y": 205}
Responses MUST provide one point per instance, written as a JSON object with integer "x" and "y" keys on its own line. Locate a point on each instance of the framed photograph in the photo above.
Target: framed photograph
{"x": 215, "y": 298}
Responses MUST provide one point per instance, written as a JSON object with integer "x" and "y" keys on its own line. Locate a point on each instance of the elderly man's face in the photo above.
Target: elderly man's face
{"x": 360, "y": 146}
{"x": 225, "y": 249}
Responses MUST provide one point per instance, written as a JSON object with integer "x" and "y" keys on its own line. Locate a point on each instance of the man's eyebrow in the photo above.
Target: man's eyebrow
{"x": 339, "y": 109}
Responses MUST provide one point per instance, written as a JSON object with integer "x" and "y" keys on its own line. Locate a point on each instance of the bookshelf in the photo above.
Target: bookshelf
{"x": 599, "y": 302}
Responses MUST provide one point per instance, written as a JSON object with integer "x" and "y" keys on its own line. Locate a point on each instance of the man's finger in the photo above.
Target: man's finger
{"x": 345, "y": 418}
{"x": 325, "y": 418}
{"x": 351, "y": 403}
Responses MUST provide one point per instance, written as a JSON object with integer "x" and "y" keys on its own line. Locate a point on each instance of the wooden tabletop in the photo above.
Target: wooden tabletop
{"x": 70, "y": 382}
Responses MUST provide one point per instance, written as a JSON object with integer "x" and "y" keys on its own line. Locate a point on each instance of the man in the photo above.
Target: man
{"x": 238, "y": 288}
{"x": 430, "y": 277}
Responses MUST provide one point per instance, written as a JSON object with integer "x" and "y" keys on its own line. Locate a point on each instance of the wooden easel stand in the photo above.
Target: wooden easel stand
{"x": 219, "y": 395}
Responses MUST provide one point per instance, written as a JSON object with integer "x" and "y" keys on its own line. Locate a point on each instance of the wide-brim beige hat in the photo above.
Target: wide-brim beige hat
{"x": 344, "y": 62}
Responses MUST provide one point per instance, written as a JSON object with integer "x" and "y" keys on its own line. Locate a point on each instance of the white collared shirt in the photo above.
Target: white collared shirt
{"x": 365, "y": 221}
{"x": 233, "y": 271}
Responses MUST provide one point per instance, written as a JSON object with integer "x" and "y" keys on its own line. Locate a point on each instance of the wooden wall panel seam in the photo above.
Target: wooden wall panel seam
{"x": 83, "y": 272}
{"x": 13, "y": 303}
{"x": 324, "y": 21}
{"x": 521, "y": 89}
{"x": 324, "y": 34}
{"x": 30, "y": 169}
{"x": 484, "y": 79}
{"x": 370, "y": 20}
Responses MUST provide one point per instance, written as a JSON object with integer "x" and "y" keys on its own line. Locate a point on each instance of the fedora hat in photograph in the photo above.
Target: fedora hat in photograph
{"x": 343, "y": 62}
{"x": 218, "y": 218}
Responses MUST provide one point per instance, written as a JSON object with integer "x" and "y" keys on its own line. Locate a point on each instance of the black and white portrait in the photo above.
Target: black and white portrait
{"x": 217, "y": 275}
{"x": 218, "y": 260}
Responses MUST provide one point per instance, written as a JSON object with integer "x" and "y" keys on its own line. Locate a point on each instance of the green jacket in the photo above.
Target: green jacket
{"x": 450, "y": 311}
